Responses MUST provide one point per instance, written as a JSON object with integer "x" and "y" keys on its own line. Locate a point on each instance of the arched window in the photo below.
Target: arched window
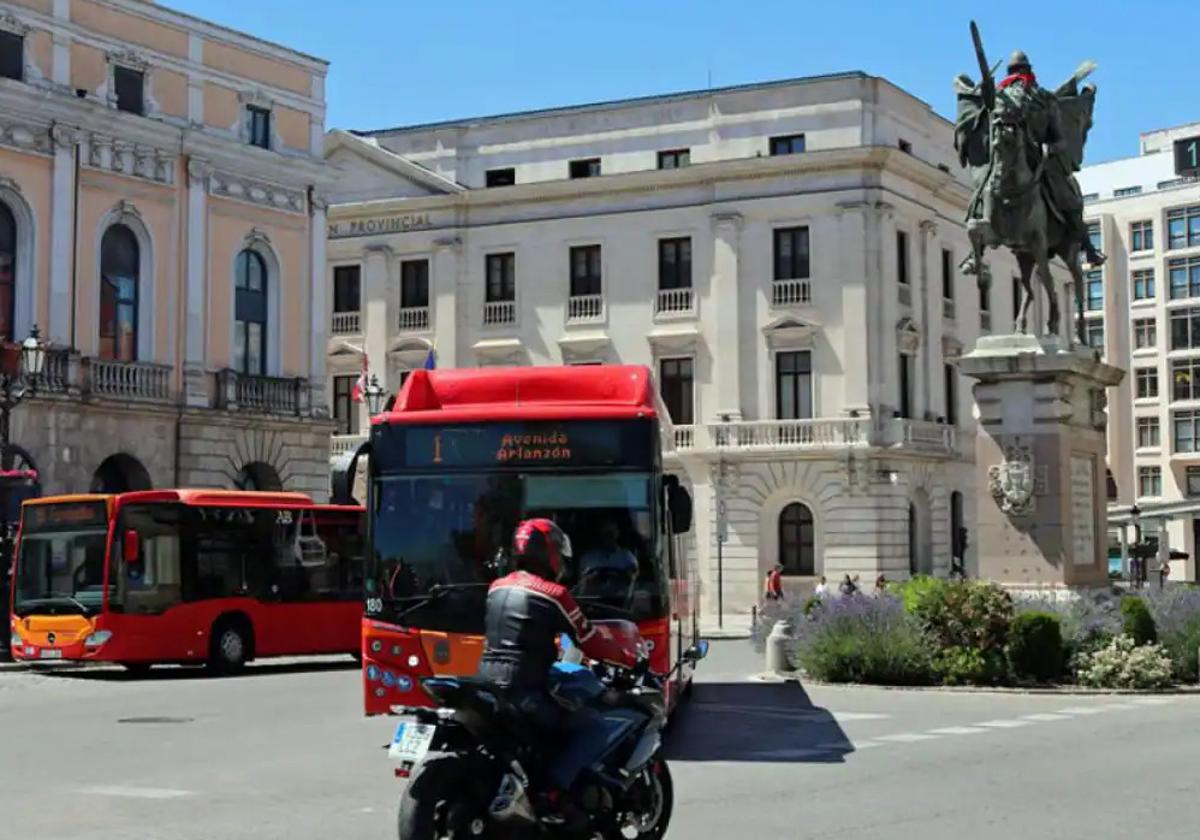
{"x": 119, "y": 261}
{"x": 796, "y": 551}
{"x": 250, "y": 317}
{"x": 8, "y": 273}
{"x": 258, "y": 476}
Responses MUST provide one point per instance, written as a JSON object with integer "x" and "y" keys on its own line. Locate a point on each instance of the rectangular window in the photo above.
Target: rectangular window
{"x": 1145, "y": 333}
{"x": 1093, "y": 291}
{"x": 1184, "y": 274}
{"x": 793, "y": 385}
{"x": 346, "y": 284}
{"x": 1141, "y": 236}
{"x": 1186, "y": 430}
{"x": 1185, "y": 379}
{"x": 902, "y": 257}
{"x": 675, "y": 263}
{"x": 1122, "y": 192}
{"x": 1093, "y": 332}
{"x": 905, "y": 385}
{"x": 1149, "y": 481}
{"x": 501, "y": 177}
{"x": 947, "y": 274}
{"x": 586, "y": 168}
{"x": 677, "y": 387}
{"x": 345, "y": 409}
{"x": 788, "y": 144}
{"x": 130, "y": 87}
{"x": 12, "y": 56}
{"x": 1146, "y": 379}
{"x": 674, "y": 158}
{"x": 791, "y": 253}
{"x": 905, "y": 146}
{"x": 414, "y": 284}
{"x": 260, "y": 126}
{"x": 1093, "y": 232}
{"x": 585, "y": 270}
{"x": 951, "y": 387}
{"x": 501, "y": 277}
{"x": 1143, "y": 284}
{"x": 1183, "y": 227}
{"x": 1185, "y": 328}
{"x": 1192, "y": 476}
{"x": 1147, "y": 433}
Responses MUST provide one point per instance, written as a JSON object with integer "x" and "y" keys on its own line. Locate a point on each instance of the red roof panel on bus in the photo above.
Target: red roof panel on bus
{"x": 582, "y": 392}
{"x": 220, "y": 498}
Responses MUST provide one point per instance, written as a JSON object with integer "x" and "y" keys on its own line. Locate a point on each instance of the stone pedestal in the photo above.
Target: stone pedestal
{"x": 1041, "y": 461}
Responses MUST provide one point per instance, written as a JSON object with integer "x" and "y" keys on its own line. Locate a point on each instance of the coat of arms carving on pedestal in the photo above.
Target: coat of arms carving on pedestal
{"x": 1014, "y": 482}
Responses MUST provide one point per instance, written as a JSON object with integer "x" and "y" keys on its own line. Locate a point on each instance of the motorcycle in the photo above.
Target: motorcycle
{"x": 468, "y": 760}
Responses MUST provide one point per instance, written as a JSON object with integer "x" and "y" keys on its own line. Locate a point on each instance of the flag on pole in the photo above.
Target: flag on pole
{"x": 360, "y": 385}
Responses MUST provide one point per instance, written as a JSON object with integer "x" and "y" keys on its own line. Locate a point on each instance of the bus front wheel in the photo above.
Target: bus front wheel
{"x": 229, "y": 646}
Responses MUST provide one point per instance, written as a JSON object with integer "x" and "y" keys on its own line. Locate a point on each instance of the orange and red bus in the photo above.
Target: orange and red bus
{"x": 462, "y": 457}
{"x": 186, "y": 576}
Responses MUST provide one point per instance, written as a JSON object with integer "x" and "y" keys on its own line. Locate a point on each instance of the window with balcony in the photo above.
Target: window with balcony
{"x": 345, "y": 409}
{"x": 1093, "y": 291}
{"x": 1141, "y": 236}
{"x": 677, "y": 387}
{"x": 8, "y": 270}
{"x": 1147, "y": 433}
{"x": 258, "y": 123}
{"x": 1146, "y": 383}
{"x": 947, "y": 274}
{"x": 797, "y": 552}
{"x": 1143, "y": 284}
{"x": 1192, "y": 480}
{"x": 1149, "y": 481}
{"x": 674, "y": 158}
{"x": 1185, "y": 379}
{"x": 1183, "y": 227}
{"x": 505, "y": 177}
{"x": 950, "y": 384}
{"x": 12, "y": 55}
{"x": 787, "y": 144}
{"x": 1145, "y": 333}
{"x": 347, "y": 284}
{"x": 793, "y": 385}
{"x": 120, "y": 260}
{"x": 500, "y": 292}
{"x": 586, "y": 168}
{"x": 1184, "y": 275}
{"x": 130, "y": 88}
{"x": 906, "y": 385}
{"x": 791, "y": 253}
{"x": 586, "y": 292}
{"x": 250, "y": 316}
{"x": 1186, "y": 428}
{"x": 675, "y": 274}
{"x": 902, "y": 257}
{"x": 414, "y": 294}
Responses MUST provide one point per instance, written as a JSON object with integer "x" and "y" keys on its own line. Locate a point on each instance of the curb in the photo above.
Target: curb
{"x": 1063, "y": 691}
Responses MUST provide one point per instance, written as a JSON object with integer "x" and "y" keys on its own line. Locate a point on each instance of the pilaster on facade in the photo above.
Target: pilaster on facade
{"x": 62, "y": 228}
{"x": 376, "y": 296}
{"x": 726, "y": 280}
{"x": 445, "y": 294}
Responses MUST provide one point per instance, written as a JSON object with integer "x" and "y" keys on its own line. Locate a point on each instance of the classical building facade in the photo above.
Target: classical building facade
{"x": 160, "y": 223}
{"x": 784, "y": 256}
{"x": 1143, "y": 310}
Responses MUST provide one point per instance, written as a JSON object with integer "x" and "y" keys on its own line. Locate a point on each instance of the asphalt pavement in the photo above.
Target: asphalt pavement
{"x": 283, "y": 752}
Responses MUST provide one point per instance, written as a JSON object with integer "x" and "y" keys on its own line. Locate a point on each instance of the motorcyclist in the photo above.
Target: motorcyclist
{"x": 527, "y": 610}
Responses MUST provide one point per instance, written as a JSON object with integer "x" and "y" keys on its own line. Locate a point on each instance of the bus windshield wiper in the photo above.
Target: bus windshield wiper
{"x": 50, "y": 598}
{"x": 437, "y": 593}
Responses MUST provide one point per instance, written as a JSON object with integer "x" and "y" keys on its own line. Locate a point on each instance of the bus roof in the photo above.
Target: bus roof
{"x": 582, "y": 392}
{"x": 198, "y": 496}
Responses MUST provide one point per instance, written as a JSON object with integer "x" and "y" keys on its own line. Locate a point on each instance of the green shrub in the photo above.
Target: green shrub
{"x": 1124, "y": 664}
{"x": 1035, "y": 646}
{"x": 967, "y": 621}
{"x": 863, "y": 640}
{"x": 813, "y": 603}
{"x": 1139, "y": 623}
{"x": 1176, "y": 612}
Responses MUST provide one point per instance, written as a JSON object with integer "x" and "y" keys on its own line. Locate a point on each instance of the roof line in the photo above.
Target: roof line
{"x": 612, "y": 103}
{"x": 220, "y": 27}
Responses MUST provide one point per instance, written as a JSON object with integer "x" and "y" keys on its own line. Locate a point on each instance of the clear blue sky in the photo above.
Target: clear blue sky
{"x": 396, "y": 62}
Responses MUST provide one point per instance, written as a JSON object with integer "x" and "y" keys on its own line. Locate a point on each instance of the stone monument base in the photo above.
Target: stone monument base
{"x": 1041, "y": 462}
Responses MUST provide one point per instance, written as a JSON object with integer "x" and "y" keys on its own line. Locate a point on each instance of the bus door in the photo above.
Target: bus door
{"x": 146, "y": 585}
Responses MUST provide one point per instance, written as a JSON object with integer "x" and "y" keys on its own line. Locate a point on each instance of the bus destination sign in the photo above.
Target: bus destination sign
{"x": 68, "y": 516}
{"x": 531, "y": 444}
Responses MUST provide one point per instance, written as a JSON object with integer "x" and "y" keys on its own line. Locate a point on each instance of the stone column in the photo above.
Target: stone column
{"x": 1040, "y": 456}
{"x": 376, "y": 326}
{"x": 319, "y": 308}
{"x": 854, "y": 268}
{"x": 445, "y": 300}
{"x": 727, "y": 228}
{"x": 195, "y": 323}
{"x": 934, "y": 398}
{"x": 62, "y": 235}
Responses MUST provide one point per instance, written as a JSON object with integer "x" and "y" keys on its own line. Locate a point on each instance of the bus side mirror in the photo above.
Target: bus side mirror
{"x": 681, "y": 509}
{"x": 131, "y": 548}
{"x": 696, "y": 652}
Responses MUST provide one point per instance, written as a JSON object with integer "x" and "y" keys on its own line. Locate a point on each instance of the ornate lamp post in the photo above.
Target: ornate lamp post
{"x": 16, "y": 385}
{"x": 375, "y": 396}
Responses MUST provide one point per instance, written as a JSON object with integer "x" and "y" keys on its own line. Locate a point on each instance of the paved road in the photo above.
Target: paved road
{"x": 283, "y": 753}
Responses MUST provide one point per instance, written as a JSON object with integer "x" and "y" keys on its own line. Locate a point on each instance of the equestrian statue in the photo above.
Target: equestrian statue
{"x": 1023, "y": 145}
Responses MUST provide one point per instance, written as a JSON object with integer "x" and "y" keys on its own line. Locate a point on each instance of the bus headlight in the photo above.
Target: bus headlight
{"x": 97, "y": 639}
{"x": 16, "y": 639}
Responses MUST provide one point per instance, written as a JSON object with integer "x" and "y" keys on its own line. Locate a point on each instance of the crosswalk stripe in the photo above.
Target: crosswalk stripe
{"x": 1083, "y": 710}
{"x": 906, "y": 737}
{"x": 1003, "y": 724}
{"x": 1153, "y": 701}
{"x": 1045, "y": 718}
{"x": 135, "y": 792}
{"x": 958, "y": 730}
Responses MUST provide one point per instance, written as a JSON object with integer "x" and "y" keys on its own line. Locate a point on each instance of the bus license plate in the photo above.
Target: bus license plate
{"x": 50, "y": 653}
{"x": 411, "y": 741}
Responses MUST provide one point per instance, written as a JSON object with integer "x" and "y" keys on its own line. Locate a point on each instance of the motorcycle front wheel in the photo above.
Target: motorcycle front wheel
{"x": 648, "y": 803}
{"x": 439, "y": 803}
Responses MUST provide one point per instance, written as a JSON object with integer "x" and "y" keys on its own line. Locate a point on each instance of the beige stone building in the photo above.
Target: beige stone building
{"x": 160, "y": 222}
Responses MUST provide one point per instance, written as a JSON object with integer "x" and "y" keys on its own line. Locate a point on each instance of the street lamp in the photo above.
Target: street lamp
{"x": 16, "y": 385}
{"x": 375, "y": 394}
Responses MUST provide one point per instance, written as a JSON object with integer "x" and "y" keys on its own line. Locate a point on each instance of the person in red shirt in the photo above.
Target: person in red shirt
{"x": 774, "y": 587}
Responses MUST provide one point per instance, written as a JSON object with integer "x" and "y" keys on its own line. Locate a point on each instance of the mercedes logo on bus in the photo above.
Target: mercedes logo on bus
{"x": 50, "y": 637}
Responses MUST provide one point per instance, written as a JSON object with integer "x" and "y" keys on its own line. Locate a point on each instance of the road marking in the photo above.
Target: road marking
{"x": 1154, "y": 701}
{"x": 1117, "y": 707}
{"x": 1003, "y": 724}
{"x": 1045, "y": 718}
{"x": 798, "y": 714}
{"x": 906, "y": 737}
{"x": 135, "y": 792}
{"x": 958, "y": 730}
{"x": 1083, "y": 710}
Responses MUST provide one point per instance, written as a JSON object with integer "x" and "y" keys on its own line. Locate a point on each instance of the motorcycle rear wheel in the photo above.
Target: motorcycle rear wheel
{"x": 437, "y": 805}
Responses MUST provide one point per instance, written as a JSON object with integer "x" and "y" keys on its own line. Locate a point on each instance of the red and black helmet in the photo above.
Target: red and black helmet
{"x": 541, "y": 547}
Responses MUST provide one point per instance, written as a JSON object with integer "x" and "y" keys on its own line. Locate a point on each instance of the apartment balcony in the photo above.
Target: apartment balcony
{"x": 675, "y": 303}
{"x": 413, "y": 319}
{"x": 585, "y": 308}
{"x": 787, "y": 293}
{"x": 499, "y": 312}
{"x": 128, "y": 381}
{"x": 339, "y": 445}
{"x": 263, "y": 394}
{"x": 823, "y": 434}
{"x": 346, "y": 323}
{"x": 918, "y": 435}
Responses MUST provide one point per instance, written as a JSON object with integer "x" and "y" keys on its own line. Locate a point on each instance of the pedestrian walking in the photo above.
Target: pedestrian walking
{"x": 880, "y": 584}
{"x": 773, "y": 591}
{"x": 848, "y": 587}
{"x": 822, "y": 590}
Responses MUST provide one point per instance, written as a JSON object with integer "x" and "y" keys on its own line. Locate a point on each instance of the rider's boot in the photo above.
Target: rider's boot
{"x": 1094, "y": 258}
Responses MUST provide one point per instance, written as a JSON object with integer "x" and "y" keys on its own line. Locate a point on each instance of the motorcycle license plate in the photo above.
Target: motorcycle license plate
{"x": 51, "y": 653}
{"x": 411, "y": 741}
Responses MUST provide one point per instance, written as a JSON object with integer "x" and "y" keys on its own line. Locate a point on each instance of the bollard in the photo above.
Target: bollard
{"x": 777, "y": 642}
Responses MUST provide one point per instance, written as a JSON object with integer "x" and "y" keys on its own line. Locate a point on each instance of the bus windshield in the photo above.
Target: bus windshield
{"x": 60, "y": 565}
{"x": 439, "y": 540}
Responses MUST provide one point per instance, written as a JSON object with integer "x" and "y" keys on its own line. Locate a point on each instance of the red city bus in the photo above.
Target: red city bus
{"x": 186, "y": 576}
{"x": 461, "y": 458}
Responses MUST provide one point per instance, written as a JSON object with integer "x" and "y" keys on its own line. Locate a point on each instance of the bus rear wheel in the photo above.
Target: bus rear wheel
{"x": 229, "y": 646}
